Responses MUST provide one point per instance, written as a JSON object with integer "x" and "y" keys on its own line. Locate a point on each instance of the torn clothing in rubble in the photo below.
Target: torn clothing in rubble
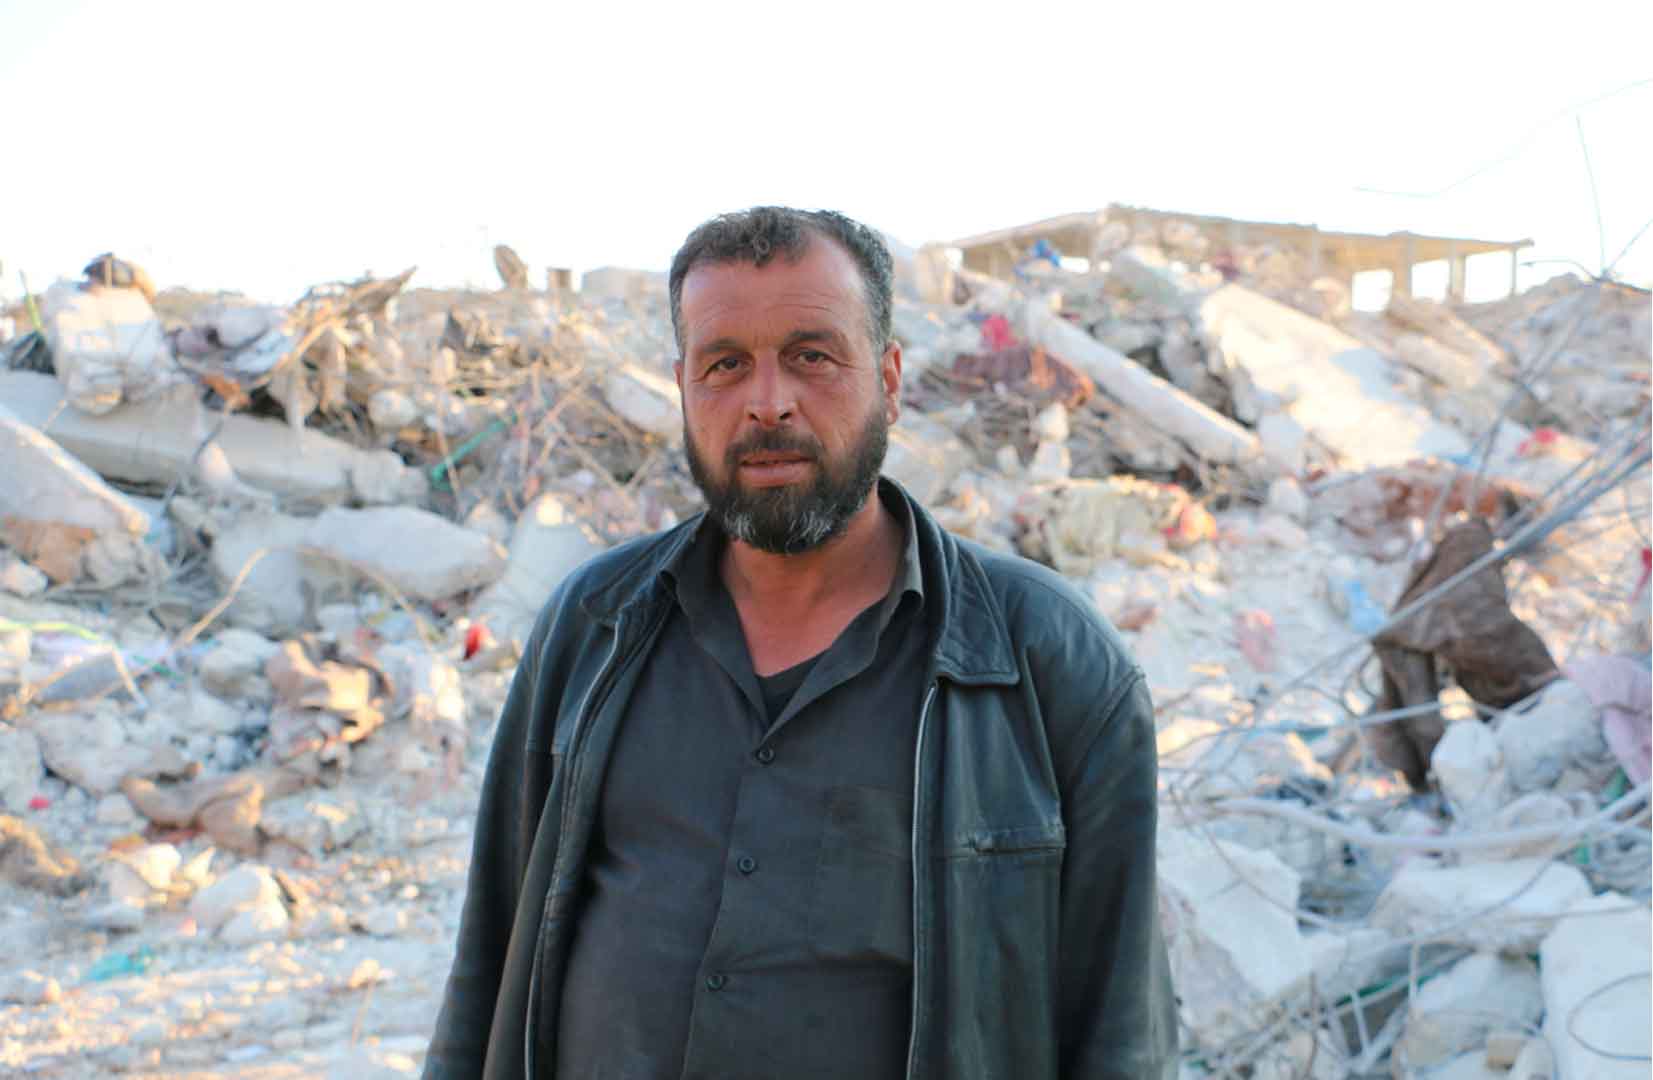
{"x": 1494, "y": 656}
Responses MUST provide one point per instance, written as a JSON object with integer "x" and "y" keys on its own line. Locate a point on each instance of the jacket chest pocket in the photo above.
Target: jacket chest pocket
{"x": 862, "y": 910}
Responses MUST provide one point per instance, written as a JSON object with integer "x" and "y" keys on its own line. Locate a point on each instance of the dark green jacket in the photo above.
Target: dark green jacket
{"x": 1036, "y": 941}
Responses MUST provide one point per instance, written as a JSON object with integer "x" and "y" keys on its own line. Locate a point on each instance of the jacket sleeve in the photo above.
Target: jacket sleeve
{"x": 513, "y": 792}
{"x": 1115, "y": 1007}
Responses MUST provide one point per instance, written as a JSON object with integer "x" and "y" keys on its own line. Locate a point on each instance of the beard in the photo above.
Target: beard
{"x": 795, "y": 518}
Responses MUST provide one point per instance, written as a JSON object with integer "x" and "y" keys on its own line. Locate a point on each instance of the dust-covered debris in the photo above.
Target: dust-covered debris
{"x": 263, "y": 591}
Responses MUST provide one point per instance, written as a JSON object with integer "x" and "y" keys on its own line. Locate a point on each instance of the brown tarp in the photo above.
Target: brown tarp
{"x": 1469, "y": 631}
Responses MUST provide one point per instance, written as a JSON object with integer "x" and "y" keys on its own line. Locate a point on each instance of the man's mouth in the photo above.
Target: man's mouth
{"x": 773, "y": 459}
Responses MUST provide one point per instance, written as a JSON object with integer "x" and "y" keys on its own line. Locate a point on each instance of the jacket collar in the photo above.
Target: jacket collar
{"x": 972, "y": 643}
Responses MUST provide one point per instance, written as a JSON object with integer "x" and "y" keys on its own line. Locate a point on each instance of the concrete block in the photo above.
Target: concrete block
{"x": 425, "y": 556}
{"x": 1230, "y": 920}
{"x": 1560, "y": 731}
{"x": 645, "y": 399}
{"x": 1596, "y": 993}
{"x": 546, "y": 546}
{"x": 272, "y": 598}
{"x": 1506, "y": 906}
{"x": 107, "y": 346}
{"x": 1454, "y": 1012}
{"x": 154, "y": 442}
{"x": 55, "y": 511}
{"x": 1468, "y": 764}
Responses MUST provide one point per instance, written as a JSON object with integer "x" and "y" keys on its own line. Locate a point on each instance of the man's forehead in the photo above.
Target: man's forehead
{"x": 823, "y": 279}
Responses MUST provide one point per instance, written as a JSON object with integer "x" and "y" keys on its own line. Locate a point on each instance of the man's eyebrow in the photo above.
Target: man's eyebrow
{"x": 799, "y": 337}
{"x": 794, "y": 339}
{"x": 722, "y": 344}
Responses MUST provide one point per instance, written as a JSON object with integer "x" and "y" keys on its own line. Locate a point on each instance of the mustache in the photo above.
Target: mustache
{"x": 775, "y": 442}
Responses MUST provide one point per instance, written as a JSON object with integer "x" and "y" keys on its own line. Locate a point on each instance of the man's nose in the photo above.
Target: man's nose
{"x": 771, "y": 398}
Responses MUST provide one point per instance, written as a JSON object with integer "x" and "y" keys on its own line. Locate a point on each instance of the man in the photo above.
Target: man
{"x": 806, "y": 787}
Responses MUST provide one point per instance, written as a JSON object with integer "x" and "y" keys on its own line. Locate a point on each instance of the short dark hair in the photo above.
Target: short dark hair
{"x": 757, "y": 235}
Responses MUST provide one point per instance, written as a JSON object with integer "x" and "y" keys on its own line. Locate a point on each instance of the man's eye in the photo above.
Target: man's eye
{"x": 812, "y": 356}
{"x": 723, "y": 365}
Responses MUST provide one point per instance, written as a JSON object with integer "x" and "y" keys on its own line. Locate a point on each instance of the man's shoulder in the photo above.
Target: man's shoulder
{"x": 611, "y": 578}
{"x": 1051, "y": 621}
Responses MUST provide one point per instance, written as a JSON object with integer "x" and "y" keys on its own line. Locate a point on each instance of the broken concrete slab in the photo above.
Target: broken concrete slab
{"x": 423, "y": 555}
{"x": 645, "y": 399}
{"x": 55, "y": 511}
{"x": 21, "y": 769}
{"x": 1596, "y": 992}
{"x": 92, "y": 749}
{"x": 235, "y": 665}
{"x": 546, "y": 546}
{"x": 1469, "y": 766}
{"x": 107, "y": 346}
{"x": 1454, "y": 1012}
{"x": 1557, "y": 732}
{"x": 275, "y": 597}
{"x": 1507, "y": 906}
{"x": 924, "y": 457}
{"x": 1338, "y": 390}
{"x": 247, "y": 888}
{"x": 1230, "y": 923}
{"x": 155, "y": 441}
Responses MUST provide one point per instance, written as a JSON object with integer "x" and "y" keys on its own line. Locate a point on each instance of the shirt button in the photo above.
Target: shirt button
{"x": 765, "y": 755}
{"x": 716, "y": 982}
{"x": 747, "y": 864}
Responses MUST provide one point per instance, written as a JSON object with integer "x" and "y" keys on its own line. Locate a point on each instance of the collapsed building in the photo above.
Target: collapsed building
{"x": 268, "y": 568}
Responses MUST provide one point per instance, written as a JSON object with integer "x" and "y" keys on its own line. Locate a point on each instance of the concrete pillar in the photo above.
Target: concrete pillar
{"x": 1515, "y": 269}
{"x": 559, "y": 279}
{"x": 1402, "y": 270}
{"x": 1455, "y": 274}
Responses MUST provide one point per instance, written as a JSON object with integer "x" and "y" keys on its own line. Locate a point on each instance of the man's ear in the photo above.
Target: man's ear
{"x": 677, "y": 370}
{"x": 890, "y": 376}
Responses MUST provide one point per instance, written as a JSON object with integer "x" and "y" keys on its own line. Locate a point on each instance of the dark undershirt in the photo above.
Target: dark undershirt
{"x": 780, "y": 688}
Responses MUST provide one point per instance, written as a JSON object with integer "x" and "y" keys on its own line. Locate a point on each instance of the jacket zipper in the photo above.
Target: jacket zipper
{"x": 918, "y": 776}
{"x": 568, "y": 800}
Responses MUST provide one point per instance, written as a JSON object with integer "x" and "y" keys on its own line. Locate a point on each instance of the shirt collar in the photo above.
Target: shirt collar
{"x": 695, "y": 580}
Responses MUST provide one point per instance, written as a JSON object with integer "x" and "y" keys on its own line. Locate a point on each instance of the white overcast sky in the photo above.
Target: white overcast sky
{"x": 265, "y": 147}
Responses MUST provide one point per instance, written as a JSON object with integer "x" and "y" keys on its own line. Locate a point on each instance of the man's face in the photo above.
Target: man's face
{"x": 785, "y": 405}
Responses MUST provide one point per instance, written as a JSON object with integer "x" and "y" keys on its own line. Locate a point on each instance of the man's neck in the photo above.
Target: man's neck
{"x": 858, "y": 563}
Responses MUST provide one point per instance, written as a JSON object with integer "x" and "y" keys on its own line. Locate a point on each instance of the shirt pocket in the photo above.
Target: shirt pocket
{"x": 862, "y": 909}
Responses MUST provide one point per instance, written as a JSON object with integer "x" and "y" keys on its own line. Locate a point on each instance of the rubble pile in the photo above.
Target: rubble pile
{"x": 267, "y": 571}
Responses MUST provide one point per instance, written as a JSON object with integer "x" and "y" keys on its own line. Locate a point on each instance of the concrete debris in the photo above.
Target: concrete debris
{"x": 156, "y": 441}
{"x": 21, "y": 768}
{"x": 28, "y": 861}
{"x": 107, "y": 345}
{"x": 339, "y": 518}
{"x": 1230, "y": 925}
{"x": 413, "y": 551}
{"x": 20, "y": 579}
{"x": 1555, "y": 734}
{"x": 925, "y": 458}
{"x": 1506, "y": 906}
{"x": 1456, "y": 1011}
{"x": 645, "y": 399}
{"x": 60, "y": 516}
{"x": 1596, "y": 993}
{"x": 1468, "y": 764}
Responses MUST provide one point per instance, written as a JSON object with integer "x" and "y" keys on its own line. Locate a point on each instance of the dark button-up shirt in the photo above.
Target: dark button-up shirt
{"x": 748, "y": 910}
